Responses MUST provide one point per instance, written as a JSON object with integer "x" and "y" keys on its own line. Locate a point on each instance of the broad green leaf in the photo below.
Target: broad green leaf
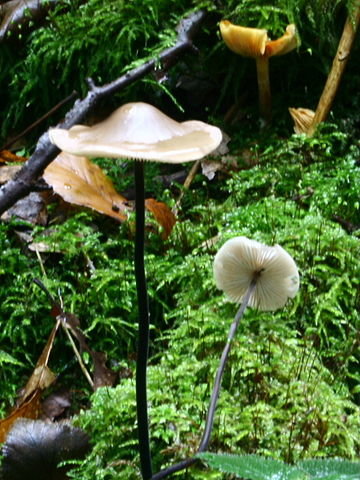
{"x": 253, "y": 467}
{"x": 331, "y": 469}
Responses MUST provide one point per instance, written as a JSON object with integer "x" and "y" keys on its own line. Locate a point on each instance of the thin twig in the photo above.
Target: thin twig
{"x": 42, "y": 268}
{"x": 76, "y": 351}
{"x": 39, "y": 120}
{"x": 61, "y": 317}
{"x": 45, "y": 151}
{"x": 188, "y": 181}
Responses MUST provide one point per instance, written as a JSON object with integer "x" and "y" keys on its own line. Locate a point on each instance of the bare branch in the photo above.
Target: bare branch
{"x": 45, "y": 151}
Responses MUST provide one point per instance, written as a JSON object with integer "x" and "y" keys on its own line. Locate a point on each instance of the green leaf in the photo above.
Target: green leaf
{"x": 7, "y": 358}
{"x": 253, "y": 467}
{"x": 331, "y": 469}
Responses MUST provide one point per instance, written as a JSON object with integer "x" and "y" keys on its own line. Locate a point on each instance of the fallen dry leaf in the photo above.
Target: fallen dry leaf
{"x": 81, "y": 182}
{"x": 209, "y": 168}
{"x": 42, "y": 377}
{"x": 28, "y": 404}
{"x": 55, "y": 404}
{"x": 7, "y": 172}
{"x": 30, "y": 409}
{"x": 303, "y": 118}
{"x": 6, "y": 156}
{"x": 102, "y": 375}
{"x": 31, "y": 208}
{"x": 163, "y": 215}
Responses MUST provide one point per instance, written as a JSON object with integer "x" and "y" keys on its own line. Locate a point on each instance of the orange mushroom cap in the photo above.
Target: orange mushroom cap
{"x": 254, "y": 42}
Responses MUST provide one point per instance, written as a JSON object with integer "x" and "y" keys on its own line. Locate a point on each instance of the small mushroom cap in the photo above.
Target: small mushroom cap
{"x": 241, "y": 260}
{"x": 140, "y": 131}
{"x": 254, "y": 42}
{"x": 284, "y": 44}
{"x": 245, "y": 41}
{"x": 303, "y": 118}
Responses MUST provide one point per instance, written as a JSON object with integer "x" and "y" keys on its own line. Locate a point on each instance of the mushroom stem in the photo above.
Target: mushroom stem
{"x": 337, "y": 70}
{"x": 263, "y": 79}
{"x": 216, "y": 390}
{"x": 218, "y": 378}
{"x": 144, "y": 323}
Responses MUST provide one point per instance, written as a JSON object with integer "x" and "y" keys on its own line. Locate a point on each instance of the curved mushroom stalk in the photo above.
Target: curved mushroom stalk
{"x": 255, "y": 43}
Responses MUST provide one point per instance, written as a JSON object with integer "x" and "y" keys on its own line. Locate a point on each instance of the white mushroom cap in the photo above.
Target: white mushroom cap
{"x": 140, "y": 131}
{"x": 240, "y": 260}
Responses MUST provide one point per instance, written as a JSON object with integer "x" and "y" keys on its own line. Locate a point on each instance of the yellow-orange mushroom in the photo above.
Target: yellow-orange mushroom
{"x": 255, "y": 43}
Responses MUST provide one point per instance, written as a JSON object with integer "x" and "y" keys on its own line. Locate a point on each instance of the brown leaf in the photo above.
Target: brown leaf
{"x": 29, "y": 409}
{"x": 7, "y": 156}
{"x": 56, "y": 403}
{"x": 81, "y": 182}
{"x": 8, "y": 171}
{"x": 163, "y": 215}
{"x": 31, "y": 208}
{"x": 102, "y": 375}
{"x": 42, "y": 377}
{"x": 28, "y": 404}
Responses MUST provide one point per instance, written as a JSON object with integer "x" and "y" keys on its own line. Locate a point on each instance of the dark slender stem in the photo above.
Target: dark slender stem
{"x": 144, "y": 322}
{"x": 215, "y": 393}
{"x": 175, "y": 468}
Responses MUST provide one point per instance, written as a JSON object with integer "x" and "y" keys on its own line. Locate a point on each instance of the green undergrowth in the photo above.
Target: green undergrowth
{"x": 291, "y": 388}
{"x": 283, "y": 365}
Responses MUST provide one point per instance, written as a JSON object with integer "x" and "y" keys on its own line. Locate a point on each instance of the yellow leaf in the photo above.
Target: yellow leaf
{"x": 79, "y": 181}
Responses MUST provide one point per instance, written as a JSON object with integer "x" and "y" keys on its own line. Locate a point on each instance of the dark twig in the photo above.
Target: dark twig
{"x": 215, "y": 393}
{"x": 45, "y": 151}
{"x": 39, "y": 120}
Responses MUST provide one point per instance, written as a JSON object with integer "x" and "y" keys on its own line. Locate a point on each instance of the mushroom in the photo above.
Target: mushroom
{"x": 241, "y": 262}
{"x": 256, "y": 275}
{"x": 255, "y": 43}
{"x": 140, "y": 131}
{"x": 303, "y": 118}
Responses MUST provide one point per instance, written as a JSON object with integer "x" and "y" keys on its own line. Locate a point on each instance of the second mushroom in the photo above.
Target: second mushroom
{"x": 255, "y": 43}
